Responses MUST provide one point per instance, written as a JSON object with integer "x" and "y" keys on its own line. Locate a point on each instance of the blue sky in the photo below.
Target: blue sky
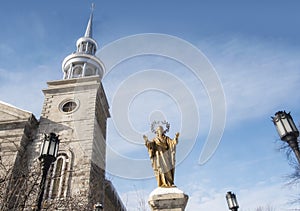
{"x": 253, "y": 47}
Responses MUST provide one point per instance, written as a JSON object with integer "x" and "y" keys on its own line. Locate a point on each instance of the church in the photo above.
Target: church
{"x": 76, "y": 110}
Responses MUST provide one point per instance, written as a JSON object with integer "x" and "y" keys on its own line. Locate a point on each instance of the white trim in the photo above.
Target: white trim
{"x": 7, "y": 104}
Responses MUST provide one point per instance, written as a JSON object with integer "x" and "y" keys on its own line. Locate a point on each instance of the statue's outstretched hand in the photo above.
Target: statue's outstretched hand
{"x": 145, "y": 138}
{"x": 176, "y": 135}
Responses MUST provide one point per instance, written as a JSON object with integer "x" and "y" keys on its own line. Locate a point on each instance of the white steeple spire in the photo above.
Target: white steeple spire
{"x": 83, "y": 62}
{"x": 89, "y": 29}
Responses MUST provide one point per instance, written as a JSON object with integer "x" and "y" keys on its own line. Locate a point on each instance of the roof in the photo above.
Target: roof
{"x": 10, "y": 112}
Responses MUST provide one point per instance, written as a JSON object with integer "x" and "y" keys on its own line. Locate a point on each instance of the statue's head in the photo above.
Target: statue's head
{"x": 159, "y": 130}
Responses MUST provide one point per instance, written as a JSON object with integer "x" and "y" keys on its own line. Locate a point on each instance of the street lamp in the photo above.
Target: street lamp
{"x": 231, "y": 201}
{"x": 47, "y": 156}
{"x": 287, "y": 131}
{"x": 98, "y": 207}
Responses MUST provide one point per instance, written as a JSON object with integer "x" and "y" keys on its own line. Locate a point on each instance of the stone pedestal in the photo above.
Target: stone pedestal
{"x": 167, "y": 199}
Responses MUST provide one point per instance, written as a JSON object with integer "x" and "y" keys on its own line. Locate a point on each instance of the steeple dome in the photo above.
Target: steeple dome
{"x": 83, "y": 62}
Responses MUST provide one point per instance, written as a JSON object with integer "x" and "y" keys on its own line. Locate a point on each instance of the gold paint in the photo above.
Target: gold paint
{"x": 162, "y": 150}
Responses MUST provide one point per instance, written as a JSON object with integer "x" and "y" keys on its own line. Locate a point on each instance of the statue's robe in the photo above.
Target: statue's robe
{"x": 162, "y": 154}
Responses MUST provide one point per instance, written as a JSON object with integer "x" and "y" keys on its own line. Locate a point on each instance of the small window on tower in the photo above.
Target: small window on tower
{"x": 69, "y": 106}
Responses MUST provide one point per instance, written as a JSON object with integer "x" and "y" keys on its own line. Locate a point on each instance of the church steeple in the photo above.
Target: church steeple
{"x": 83, "y": 62}
{"x": 89, "y": 30}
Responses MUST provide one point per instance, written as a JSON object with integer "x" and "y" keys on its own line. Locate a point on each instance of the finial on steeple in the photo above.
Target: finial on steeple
{"x": 89, "y": 29}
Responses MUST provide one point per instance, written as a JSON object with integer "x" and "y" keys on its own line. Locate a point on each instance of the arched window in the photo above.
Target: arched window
{"x": 90, "y": 71}
{"x": 77, "y": 71}
{"x": 57, "y": 183}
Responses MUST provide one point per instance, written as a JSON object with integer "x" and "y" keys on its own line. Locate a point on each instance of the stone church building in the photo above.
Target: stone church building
{"x": 76, "y": 109}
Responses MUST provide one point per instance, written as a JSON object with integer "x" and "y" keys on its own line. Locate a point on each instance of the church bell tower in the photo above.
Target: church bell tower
{"x": 76, "y": 109}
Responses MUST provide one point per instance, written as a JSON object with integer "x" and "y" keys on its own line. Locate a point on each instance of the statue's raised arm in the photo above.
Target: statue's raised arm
{"x": 176, "y": 137}
{"x": 145, "y": 138}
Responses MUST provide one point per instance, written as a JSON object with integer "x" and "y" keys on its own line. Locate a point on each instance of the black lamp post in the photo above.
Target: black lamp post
{"x": 287, "y": 131}
{"x": 231, "y": 201}
{"x": 98, "y": 207}
{"x": 47, "y": 157}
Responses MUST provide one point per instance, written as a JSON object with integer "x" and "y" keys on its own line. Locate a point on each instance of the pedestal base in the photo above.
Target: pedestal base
{"x": 167, "y": 199}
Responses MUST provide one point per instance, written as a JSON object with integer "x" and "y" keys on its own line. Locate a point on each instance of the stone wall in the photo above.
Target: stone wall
{"x": 112, "y": 201}
{"x": 17, "y": 132}
{"x": 82, "y": 134}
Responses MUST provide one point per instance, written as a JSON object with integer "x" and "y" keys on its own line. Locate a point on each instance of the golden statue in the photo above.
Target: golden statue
{"x": 162, "y": 151}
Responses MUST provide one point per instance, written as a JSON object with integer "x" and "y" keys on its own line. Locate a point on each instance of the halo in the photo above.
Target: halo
{"x": 155, "y": 124}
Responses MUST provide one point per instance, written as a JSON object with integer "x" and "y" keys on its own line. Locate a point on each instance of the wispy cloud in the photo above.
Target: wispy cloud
{"x": 24, "y": 88}
{"x": 202, "y": 197}
{"x": 258, "y": 76}
{"x": 250, "y": 71}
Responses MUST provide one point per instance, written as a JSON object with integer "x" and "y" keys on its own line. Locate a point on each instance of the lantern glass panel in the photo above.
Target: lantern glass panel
{"x": 294, "y": 128}
{"x": 230, "y": 203}
{"x": 52, "y": 148}
{"x": 235, "y": 204}
{"x": 280, "y": 128}
{"x": 56, "y": 149}
{"x": 45, "y": 147}
{"x": 287, "y": 125}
